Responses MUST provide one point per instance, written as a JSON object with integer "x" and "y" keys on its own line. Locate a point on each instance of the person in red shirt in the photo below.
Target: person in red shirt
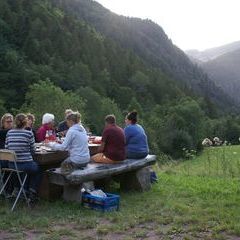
{"x": 47, "y": 125}
{"x": 112, "y": 149}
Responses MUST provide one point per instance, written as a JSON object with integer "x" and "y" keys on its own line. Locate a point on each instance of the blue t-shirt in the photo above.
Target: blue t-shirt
{"x": 136, "y": 139}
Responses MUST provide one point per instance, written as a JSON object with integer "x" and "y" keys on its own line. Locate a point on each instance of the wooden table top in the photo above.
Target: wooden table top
{"x": 51, "y": 157}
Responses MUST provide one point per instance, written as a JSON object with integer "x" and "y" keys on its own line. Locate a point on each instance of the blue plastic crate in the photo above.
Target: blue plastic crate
{"x": 104, "y": 204}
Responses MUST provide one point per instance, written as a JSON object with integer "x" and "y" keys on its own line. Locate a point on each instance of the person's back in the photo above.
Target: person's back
{"x": 136, "y": 139}
{"x": 114, "y": 139}
{"x": 76, "y": 142}
{"x": 22, "y": 142}
{"x": 112, "y": 149}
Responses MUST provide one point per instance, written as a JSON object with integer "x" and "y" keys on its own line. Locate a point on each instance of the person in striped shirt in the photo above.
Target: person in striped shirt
{"x": 22, "y": 142}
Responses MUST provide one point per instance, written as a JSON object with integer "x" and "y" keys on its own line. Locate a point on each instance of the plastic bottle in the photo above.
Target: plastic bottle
{"x": 47, "y": 136}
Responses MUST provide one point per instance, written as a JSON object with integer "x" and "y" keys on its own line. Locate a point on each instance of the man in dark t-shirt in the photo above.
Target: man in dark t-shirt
{"x": 112, "y": 149}
{"x": 62, "y": 126}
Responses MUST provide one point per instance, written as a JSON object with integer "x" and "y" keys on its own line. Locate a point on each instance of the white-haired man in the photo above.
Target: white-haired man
{"x": 47, "y": 125}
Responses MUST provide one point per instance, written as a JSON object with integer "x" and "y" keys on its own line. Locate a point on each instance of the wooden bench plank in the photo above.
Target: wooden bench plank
{"x": 95, "y": 171}
{"x": 133, "y": 175}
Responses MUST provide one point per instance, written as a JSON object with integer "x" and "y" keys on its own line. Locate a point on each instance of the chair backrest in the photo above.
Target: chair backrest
{"x": 7, "y": 155}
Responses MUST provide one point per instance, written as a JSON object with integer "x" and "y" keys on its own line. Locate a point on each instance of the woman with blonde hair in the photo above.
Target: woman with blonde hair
{"x": 76, "y": 142}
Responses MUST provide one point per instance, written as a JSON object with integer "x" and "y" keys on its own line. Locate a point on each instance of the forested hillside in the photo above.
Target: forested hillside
{"x": 148, "y": 41}
{"x": 51, "y": 59}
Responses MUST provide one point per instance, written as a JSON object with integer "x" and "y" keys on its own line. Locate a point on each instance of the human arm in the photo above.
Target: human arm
{"x": 66, "y": 143}
{"x": 104, "y": 141}
{"x": 127, "y": 134}
{"x": 101, "y": 147}
{"x": 6, "y": 142}
{"x": 31, "y": 143}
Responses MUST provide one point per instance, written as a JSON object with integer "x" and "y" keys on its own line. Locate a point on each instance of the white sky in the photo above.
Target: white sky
{"x": 190, "y": 24}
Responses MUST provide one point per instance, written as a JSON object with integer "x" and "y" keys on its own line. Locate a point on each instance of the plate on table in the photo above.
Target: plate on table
{"x": 44, "y": 149}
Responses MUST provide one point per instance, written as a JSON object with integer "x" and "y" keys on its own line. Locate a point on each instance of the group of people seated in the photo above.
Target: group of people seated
{"x": 117, "y": 144}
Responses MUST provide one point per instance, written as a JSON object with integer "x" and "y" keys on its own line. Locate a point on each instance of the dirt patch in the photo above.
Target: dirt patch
{"x": 6, "y": 235}
{"x": 149, "y": 230}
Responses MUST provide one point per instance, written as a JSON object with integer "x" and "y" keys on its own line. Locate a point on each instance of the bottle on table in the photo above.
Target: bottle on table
{"x": 47, "y": 137}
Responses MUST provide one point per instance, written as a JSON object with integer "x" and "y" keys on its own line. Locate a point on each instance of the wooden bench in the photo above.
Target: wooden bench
{"x": 132, "y": 175}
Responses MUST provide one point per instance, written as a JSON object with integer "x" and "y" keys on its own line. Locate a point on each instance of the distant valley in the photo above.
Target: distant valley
{"x": 222, "y": 64}
{"x": 212, "y": 53}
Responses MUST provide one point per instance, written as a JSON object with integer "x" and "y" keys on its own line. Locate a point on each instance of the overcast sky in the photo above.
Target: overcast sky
{"x": 190, "y": 24}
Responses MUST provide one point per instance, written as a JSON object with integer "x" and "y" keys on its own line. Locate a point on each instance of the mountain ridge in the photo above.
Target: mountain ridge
{"x": 212, "y": 53}
{"x": 147, "y": 40}
{"x": 225, "y": 71}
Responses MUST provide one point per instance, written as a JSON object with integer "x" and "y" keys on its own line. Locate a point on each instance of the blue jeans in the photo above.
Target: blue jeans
{"x": 34, "y": 174}
{"x": 136, "y": 155}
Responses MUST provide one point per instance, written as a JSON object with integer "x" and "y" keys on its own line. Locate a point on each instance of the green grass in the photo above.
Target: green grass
{"x": 194, "y": 199}
{"x": 215, "y": 161}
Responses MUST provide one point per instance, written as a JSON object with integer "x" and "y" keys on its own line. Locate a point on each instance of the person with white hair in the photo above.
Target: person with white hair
{"x": 47, "y": 127}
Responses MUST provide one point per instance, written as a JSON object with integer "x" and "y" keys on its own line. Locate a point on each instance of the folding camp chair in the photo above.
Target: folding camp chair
{"x": 1, "y": 179}
{"x": 11, "y": 157}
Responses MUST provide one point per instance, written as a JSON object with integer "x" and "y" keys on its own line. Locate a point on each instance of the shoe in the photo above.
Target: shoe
{"x": 15, "y": 193}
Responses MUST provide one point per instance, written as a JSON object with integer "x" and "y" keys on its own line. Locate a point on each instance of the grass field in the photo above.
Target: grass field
{"x": 193, "y": 199}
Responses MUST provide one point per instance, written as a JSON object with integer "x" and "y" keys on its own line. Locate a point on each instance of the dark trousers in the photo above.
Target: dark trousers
{"x": 34, "y": 174}
{"x": 3, "y": 164}
{"x": 136, "y": 155}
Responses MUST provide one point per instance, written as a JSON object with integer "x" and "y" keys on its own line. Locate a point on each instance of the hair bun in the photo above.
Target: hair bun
{"x": 134, "y": 113}
{"x": 132, "y": 116}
